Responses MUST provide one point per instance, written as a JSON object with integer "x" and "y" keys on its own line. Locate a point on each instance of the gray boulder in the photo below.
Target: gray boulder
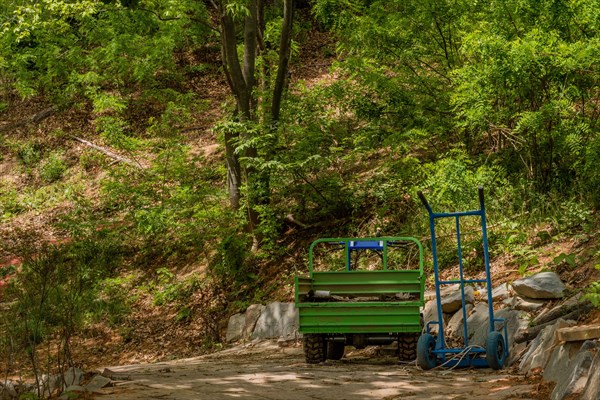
{"x": 455, "y": 326}
{"x": 478, "y": 325}
{"x": 7, "y": 390}
{"x": 73, "y": 376}
{"x": 500, "y": 293}
{"x": 235, "y": 328}
{"x": 430, "y": 313}
{"x": 453, "y": 302}
{"x": 241, "y": 326}
{"x": 545, "y": 285}
{"x": 277, "y": 320}
{"x": 251, "y": 318}
{"x": 528, "y": 305}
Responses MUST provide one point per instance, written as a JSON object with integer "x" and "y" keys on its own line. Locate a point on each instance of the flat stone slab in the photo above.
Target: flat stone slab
{"x": 97, "y": 383}
{"x": 592, "y": 387}
{"x": 559, "y": 360}
{"x": 579, "y": 333}
{"x": 574, "y": 379}
{"x": 542, "y": 346}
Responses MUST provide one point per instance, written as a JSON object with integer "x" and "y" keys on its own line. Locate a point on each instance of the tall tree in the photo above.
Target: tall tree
{"x": 245, "y": 26}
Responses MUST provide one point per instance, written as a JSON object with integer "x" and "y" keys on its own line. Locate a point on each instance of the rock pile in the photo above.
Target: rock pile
{"x": 541, "y": 338}
{"x": 69, "y": 385}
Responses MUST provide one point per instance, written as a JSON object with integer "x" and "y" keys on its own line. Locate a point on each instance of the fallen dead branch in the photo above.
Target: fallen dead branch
{"x": 109, "y": 153}
{"x": 574, "y": 314}
{"x": 34, "y": 119}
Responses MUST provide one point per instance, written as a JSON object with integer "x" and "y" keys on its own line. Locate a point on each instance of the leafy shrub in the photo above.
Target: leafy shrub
{"x": 113, "y": 299}
{"x": 453, "y": 181}
{"x": 90, "y": 160}
{"x": 230, "y": 262}
{"x": 10, "y": 203}
{"x": 30, "y": 153}
{"x": 53, "y": 168}
{"x": 590, "y": 184}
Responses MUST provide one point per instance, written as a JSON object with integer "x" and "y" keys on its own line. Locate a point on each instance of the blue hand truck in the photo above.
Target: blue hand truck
{"x": 432, "y": 351}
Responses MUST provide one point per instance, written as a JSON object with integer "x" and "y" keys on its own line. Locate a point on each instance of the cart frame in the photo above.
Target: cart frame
{"x": 431, "y": 351}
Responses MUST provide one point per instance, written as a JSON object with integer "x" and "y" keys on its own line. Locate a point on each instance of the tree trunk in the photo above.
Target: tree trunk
{"x": 285, "y": 48}
{"x": 242, "y": 81}
{"x": 234, "y": 171}
{"x": 237, "y": 83}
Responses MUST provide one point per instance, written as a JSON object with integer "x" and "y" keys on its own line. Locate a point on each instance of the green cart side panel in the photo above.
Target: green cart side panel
{"x": 361, "y": 283}
{"x": 371, "y": 316}
{"x": 343, "y": 317}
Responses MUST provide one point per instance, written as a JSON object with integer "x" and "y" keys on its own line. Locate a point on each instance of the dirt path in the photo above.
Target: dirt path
{"x": 266, "y": 371}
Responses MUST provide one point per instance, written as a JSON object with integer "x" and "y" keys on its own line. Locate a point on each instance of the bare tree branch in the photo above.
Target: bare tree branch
{"x": 109, "y": 153}
{"x": 34, "y": 119}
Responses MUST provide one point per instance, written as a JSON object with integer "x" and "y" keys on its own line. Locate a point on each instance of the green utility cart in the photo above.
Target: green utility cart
{"x": 359, "y": 292}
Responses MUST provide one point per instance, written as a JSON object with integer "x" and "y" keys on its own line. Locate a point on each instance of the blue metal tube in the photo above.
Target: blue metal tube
{"x": 465, "y": 281}
{"x": 462, "y": 281}
{"x": 456, "y": 214}
{"x": 486, "y": 259}
{"x": 440, "y": 343}
{"x": 348, "y": 256}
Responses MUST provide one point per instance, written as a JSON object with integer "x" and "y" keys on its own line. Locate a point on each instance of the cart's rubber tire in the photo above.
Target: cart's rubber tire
{"x": 495, "y": 350}
{"x": 426, "y": 359}
{"x": 315, "y": 348}
{"x": 335, "y": 350}
{"x": 407, "y": 346}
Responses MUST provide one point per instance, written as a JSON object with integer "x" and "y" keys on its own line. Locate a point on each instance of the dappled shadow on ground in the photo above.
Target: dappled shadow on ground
{"x": 280, "y": 373}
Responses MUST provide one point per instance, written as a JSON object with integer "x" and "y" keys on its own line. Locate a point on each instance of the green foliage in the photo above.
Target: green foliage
{"x": 98, "y": 50}
{"x": 564, "y": 258}
{"x": 171, "y": 206}
{"x": 30, "y": 153}
{"x": 591, "y": 183}
{"x": 231, "y": 260}
{"x": 593, "y": 290}
{"x": 53, "y": 293}
{"x": 114, "y": 131}
{"x": 52, "y": 168}
{"x": 91, "y": 159}
{"x": 113, "y": 300}
{"x": 169, "y": 290}
{"x": 509, "y": 80}
{"x": 9, "y": 202}
{"x": 453, "y": 181}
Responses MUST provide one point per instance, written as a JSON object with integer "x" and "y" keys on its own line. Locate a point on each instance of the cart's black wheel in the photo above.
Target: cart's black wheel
{"x": 315, "y": 348}
{"x": 335, "y": 350}
{"x": 407, "y": 346}
{"x": 495, "y": 350}
{"x": 426, "y": 359}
